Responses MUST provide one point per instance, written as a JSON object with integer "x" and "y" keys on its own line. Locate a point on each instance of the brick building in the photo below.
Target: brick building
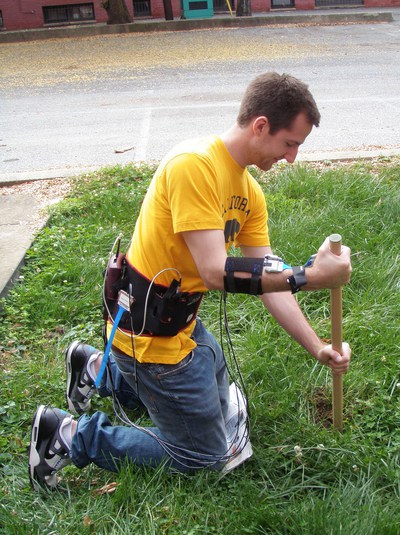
{"x": 25, "y": 14}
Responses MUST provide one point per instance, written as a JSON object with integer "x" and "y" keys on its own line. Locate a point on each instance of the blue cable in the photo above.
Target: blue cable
{"x": 309, "y": 263}
{"x": 121, "y": 310}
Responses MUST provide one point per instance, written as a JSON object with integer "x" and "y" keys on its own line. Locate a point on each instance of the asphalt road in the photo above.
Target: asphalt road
{"x": 76, "y": 104}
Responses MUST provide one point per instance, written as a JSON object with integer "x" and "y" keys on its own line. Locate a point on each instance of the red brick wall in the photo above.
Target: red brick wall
{"x": 259, "y": 6}
{"x": 25, "y": 14}
{"x": 157, "y": 8}
{"x": 304, "y": 4}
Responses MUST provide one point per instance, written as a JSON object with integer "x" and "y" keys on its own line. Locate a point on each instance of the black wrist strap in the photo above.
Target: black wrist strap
{"x": 298, "y": 279}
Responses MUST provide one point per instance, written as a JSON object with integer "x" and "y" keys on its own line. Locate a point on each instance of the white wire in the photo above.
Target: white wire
{"x": 170, "y": 449}
{"x": 132, "y": 334}
{"x": 180, "y": 457}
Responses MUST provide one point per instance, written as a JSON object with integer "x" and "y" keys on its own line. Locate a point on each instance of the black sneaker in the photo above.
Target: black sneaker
{"x": 80, "y": 384}
{"x": 48, "y": 451}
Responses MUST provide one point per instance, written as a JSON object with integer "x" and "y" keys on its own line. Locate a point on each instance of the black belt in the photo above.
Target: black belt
{"x": 168, "y": 310}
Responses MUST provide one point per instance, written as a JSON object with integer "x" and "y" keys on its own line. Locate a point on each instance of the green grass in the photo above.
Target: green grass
{"x": 304, "y": 477}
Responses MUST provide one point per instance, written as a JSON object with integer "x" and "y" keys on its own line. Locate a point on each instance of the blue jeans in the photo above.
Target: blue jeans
{"x": 187, "y": 403}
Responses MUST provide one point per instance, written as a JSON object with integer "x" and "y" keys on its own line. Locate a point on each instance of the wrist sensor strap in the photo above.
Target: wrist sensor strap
{"x": 235, "y": 284}
{"x": 298, "y": 279}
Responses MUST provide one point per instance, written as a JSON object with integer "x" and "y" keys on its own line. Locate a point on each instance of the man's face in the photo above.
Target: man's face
{"x": 282, "y": 145}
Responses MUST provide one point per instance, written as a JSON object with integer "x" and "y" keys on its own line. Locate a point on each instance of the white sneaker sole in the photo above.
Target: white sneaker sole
{"x": 237, "y": 431}
{"x": 34, "y": 458}
{"x": 68, "y": 367}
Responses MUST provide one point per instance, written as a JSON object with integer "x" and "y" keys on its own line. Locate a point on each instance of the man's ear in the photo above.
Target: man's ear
{"x": 261, "y": 125}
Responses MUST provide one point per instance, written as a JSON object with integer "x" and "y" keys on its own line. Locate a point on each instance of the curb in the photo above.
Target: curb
{"x": 195, "y": 24}
{"x": 13, "y": 278}
{"x": 20, "y": 177}
{"x": 13, "y": 179}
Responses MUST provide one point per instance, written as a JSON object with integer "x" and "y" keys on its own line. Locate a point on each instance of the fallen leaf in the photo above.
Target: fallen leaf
{"x": 120, "y": 151}
{"x": 107, "y": 489}
{"x": 87, "y": 521}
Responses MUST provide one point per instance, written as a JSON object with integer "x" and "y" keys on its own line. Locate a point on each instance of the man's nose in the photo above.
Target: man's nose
{"x": 291, "y": 154}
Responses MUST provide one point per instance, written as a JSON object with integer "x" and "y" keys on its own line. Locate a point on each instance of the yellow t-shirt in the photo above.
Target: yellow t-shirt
{"x": 197, "y": 186}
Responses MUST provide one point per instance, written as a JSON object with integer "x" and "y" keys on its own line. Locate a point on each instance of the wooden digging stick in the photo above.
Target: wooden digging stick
{"x": 335, "y": 245}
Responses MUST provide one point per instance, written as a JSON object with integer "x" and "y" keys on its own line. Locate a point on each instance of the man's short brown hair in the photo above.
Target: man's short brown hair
{"x": 280, "y": 98}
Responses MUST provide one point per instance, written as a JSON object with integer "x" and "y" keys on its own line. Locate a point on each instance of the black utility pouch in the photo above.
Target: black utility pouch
{"x": 115, "y": 279}
{"x": 168, "y": 310}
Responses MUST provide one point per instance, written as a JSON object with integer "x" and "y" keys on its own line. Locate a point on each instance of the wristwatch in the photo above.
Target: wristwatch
{"x": 298, "y": 279}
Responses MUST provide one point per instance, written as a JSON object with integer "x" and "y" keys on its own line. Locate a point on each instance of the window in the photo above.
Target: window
{"x": 338, "y": 3}
{"x": 1, "y": 20}
{"x": 141, "y": 8}
{"x": 277, "y": 4}
{"x": 72, "y": 13}
{"x": 222, "y": 5}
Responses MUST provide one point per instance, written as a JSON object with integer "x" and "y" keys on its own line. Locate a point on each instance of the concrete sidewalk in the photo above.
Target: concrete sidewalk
{"x": 20, "y": 208}
{"x": 23, "y": 209}
{"x": 16, "y": 235}
{"x": 14, "y": 211}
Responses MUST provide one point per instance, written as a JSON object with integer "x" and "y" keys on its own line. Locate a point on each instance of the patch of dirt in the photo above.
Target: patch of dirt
{"x": 322, "y": 408}
{"x": 43, "y": 192}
